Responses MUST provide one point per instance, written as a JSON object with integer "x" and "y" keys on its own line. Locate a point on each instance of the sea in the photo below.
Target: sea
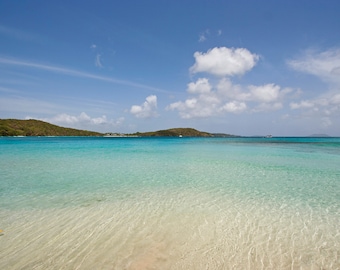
{"x": 169, "y": 203}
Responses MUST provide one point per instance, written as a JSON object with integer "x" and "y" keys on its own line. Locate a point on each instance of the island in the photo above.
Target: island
{"x": 32, "y": 127}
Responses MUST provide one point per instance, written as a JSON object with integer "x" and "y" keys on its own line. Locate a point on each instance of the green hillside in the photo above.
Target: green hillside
{"x": 176, "y": 132}
{"x": 14, "y": 127}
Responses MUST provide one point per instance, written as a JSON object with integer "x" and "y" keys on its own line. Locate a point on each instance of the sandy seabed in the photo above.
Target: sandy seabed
{"x": 170, "y": 230}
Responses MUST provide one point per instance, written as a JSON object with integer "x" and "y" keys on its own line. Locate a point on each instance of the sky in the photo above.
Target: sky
{"x": 234, "y": 66}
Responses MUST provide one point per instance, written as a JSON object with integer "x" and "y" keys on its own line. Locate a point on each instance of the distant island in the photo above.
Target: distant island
{"x": 31, "y": 127}
{"x": 319, "y": 135}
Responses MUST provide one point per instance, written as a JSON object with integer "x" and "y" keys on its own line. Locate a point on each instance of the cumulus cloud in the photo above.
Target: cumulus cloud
{"x": 227, "y": 89}
{"x": 147, "y": 109}
{"x": 325, "y": 65}
{"x": 264, "y": 93}
{"x": 301, "y": 105}
{"x": 203, "y": 103}
{"x": 258, "y": 93}
{"x": 194, "y": 108}
{"x": 226, "y": 97}
{"x": 234, "y": 107}
{"x": 202, "y": 86}
{"x": 224, "y": 61}
{"x": 223, "y": 96}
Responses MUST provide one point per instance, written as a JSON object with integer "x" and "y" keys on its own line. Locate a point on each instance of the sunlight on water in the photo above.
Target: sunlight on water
{"x": 154, "y": 204}
{"x": 171, "y": 230}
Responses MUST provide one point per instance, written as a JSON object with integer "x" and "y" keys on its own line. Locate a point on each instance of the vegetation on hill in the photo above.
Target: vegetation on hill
{"x": 177, "y": 132}
{"x": 174, "y": 132}
{"x": 14, "y": 127}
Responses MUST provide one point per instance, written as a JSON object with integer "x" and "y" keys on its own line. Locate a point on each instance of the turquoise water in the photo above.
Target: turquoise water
{"x": 169, "y": 203}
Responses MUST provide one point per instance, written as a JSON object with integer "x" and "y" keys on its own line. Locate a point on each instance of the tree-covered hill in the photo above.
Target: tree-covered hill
{"x": 179, "y": 132}
{"x": 15, "y": 127}
{"x": 174, "y": 132}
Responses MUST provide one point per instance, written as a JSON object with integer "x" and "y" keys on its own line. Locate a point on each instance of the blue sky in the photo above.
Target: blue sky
{"x": 238, "y": 67}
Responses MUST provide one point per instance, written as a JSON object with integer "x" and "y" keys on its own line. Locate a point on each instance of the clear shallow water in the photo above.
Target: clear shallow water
{"x": 176, "y": 203}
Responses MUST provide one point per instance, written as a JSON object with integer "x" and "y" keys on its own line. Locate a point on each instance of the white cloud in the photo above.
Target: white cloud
{"x": 227, "y": 89}
{"x": 324, "y": 109}
{"x": 325, "y": 65}
{"x": 93, "y": 46}
{"x": 203, "y": 36}
{"x": 202, "y": 86}
{"x": 63, "y": 119}
{"x": 264, "y": 93}
{"x": 193, "y": 108}
{"x": 83, "y": 121}
{"x": 335, "y": 99}
{"x": 98, "y": 61}
{"x": 224, "y": 61}
{"x": 147, "y": 109}
{"x": 301, "y": 105}
{"x": 211, "y": 99}
{"x": 202, "y": 105}
{"x": 234, "y": 107}
{"x": 191, "y": 103}
{"x": 226, "y": 97}
{"x": 72, "y": 119}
